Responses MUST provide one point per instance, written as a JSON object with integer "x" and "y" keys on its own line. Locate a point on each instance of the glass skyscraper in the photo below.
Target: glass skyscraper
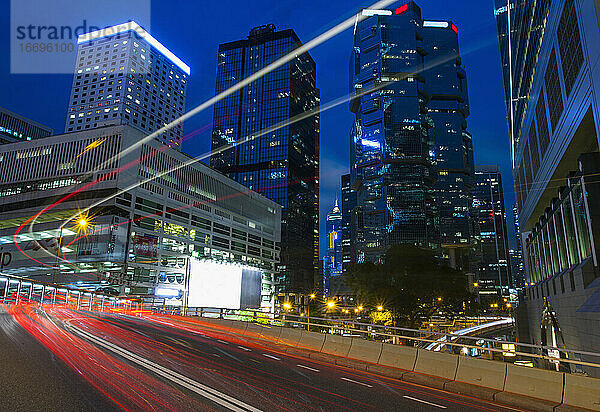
{"x": 266, "y": 147}
{"x": 125, "y": 76}
{"x": 448, "y": 107}
{"x": 412, "y": 158}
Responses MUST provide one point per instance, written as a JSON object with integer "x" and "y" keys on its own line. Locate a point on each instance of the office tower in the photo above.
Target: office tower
{"x": 448, "y": 107}
{"x": 333, "y": 258}
{"x": 123, "y": 75}
{"x": 267, "y": 147}
{"x": 391, "y": 151}
{"x": 16, "y": 128}
{"x": 349, "y": 227}
{"x": 549, "y": 58}
{"x": 493, "y": 275}
{"x": 141, "y": 241}
{"x": 516, "y": 256}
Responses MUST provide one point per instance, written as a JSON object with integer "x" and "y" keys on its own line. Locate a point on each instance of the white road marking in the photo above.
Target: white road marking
{"x": 241, "y": 347}
{"x": 422, "y": 401}
{"x": 222, "y": 341}
{"x": 360, "y": 383}
{"x": 214, "y": 395}
{"x": 271, "y": 356}
{"x": 308, "y": 367}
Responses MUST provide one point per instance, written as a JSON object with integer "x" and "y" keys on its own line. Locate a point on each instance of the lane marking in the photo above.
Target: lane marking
{"x": 357, "y": 382}
{"x": 222, "y": 341}
{"x": 308, "y": 367}
{"x": 425, "y": 402}
{"x": 203, "y": 390}
{"x": 241, "y": 347}
{"x": 227, "y": 354}
{"x": 271, "y": 356}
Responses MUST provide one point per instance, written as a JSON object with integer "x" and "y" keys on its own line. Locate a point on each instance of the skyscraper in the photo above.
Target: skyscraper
{"x": 16, "y": 128}
{"x": 123, "y": 75}
{"x": 493, "y": 275}
{"x": 392, "y": 155}
{"x": 333, "y": 262}
{"x": 271, "y": 152}
{"x": 448, "y": 107}
{"x": 412, "y": 157}
{"x": 349, "y": 228}
{"x": 550, "y": 61}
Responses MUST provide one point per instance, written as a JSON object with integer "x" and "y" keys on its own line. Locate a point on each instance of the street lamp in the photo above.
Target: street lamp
{"x": 287, "y": 306}
{"x": 331, "y": 304}
{"x": 379, "y": 308}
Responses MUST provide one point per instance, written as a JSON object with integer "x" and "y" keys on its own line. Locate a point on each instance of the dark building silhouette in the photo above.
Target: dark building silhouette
{"x": 16, "y": 128}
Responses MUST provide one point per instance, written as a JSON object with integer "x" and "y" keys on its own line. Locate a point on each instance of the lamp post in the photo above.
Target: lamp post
{"x": 312, "y": 296}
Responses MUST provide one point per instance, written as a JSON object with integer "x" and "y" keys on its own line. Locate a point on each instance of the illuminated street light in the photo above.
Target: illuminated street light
{"x": 439, "y": 299}
{"x": 475, "y": 284}
{"x": 287, "y": 306}
{"x": 508, "y": 305}
{"x": 331, "y": 304}
{"x": 360, "y": 307}
{"x": 83, "y": 222}
{"x": 312, "y": 296}
{"x": 380, "y": 308}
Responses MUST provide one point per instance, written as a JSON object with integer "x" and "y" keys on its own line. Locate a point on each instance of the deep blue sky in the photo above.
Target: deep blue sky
{"x": 193, "y": 30}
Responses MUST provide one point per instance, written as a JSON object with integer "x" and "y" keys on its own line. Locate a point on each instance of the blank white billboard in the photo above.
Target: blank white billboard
{"x": 214, "y": 285}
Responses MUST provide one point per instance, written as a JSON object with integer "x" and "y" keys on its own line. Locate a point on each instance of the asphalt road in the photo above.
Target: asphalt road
{"x": 166, "y": 364}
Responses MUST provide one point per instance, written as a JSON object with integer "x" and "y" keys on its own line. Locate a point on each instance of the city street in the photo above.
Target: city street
{"x": 80, "y": 360}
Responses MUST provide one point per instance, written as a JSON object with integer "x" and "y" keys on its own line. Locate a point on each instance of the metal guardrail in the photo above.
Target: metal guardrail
{"x": 570, "y": 361}
{"x": 14, "y": 290}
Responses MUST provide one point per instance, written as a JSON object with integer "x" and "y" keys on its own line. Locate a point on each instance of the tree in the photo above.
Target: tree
{"x": 412, "y": 284}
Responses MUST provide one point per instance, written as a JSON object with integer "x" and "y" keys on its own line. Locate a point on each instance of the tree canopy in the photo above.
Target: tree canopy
{"x": 412, "y": 284}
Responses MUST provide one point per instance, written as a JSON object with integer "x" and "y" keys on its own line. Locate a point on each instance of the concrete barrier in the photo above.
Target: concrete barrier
{"x": 365, "y": 350}
{"x": 289, "y": 336}
{"x": 270, "y": 333}
{"x": 490, "y": 374}
{"x": 233, "y": 326}
{"x": 398, "y": 356}
{"x": 440, "y": 364}
{"x": 536, "y": 383}
{"x": 311, "y": 340}
{"x": 582, "y": 392}
{"x": 253, "y": 330}
{"x": 336, "y": 345}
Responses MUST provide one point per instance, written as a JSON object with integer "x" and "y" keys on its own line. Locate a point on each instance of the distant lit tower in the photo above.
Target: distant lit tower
{"x": 123, "y": 75}
{"x": 488, "y": 207}
{"x": 333, "y": 263}
{"x": 268, "y": 153}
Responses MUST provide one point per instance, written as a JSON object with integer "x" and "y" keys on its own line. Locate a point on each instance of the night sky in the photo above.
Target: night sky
{"x": 193, "y": 31}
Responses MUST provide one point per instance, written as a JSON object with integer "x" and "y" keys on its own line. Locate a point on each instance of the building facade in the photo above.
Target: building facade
{"x": 143, "y": 225}
{"x": 266, "y": 137}
{"x": 551, "y": 68}
{"x": 125, "y": 76}
{"x": 516, "y": 254}
{"x": 16, "y": 128}
{"x": 494, "y": 272}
